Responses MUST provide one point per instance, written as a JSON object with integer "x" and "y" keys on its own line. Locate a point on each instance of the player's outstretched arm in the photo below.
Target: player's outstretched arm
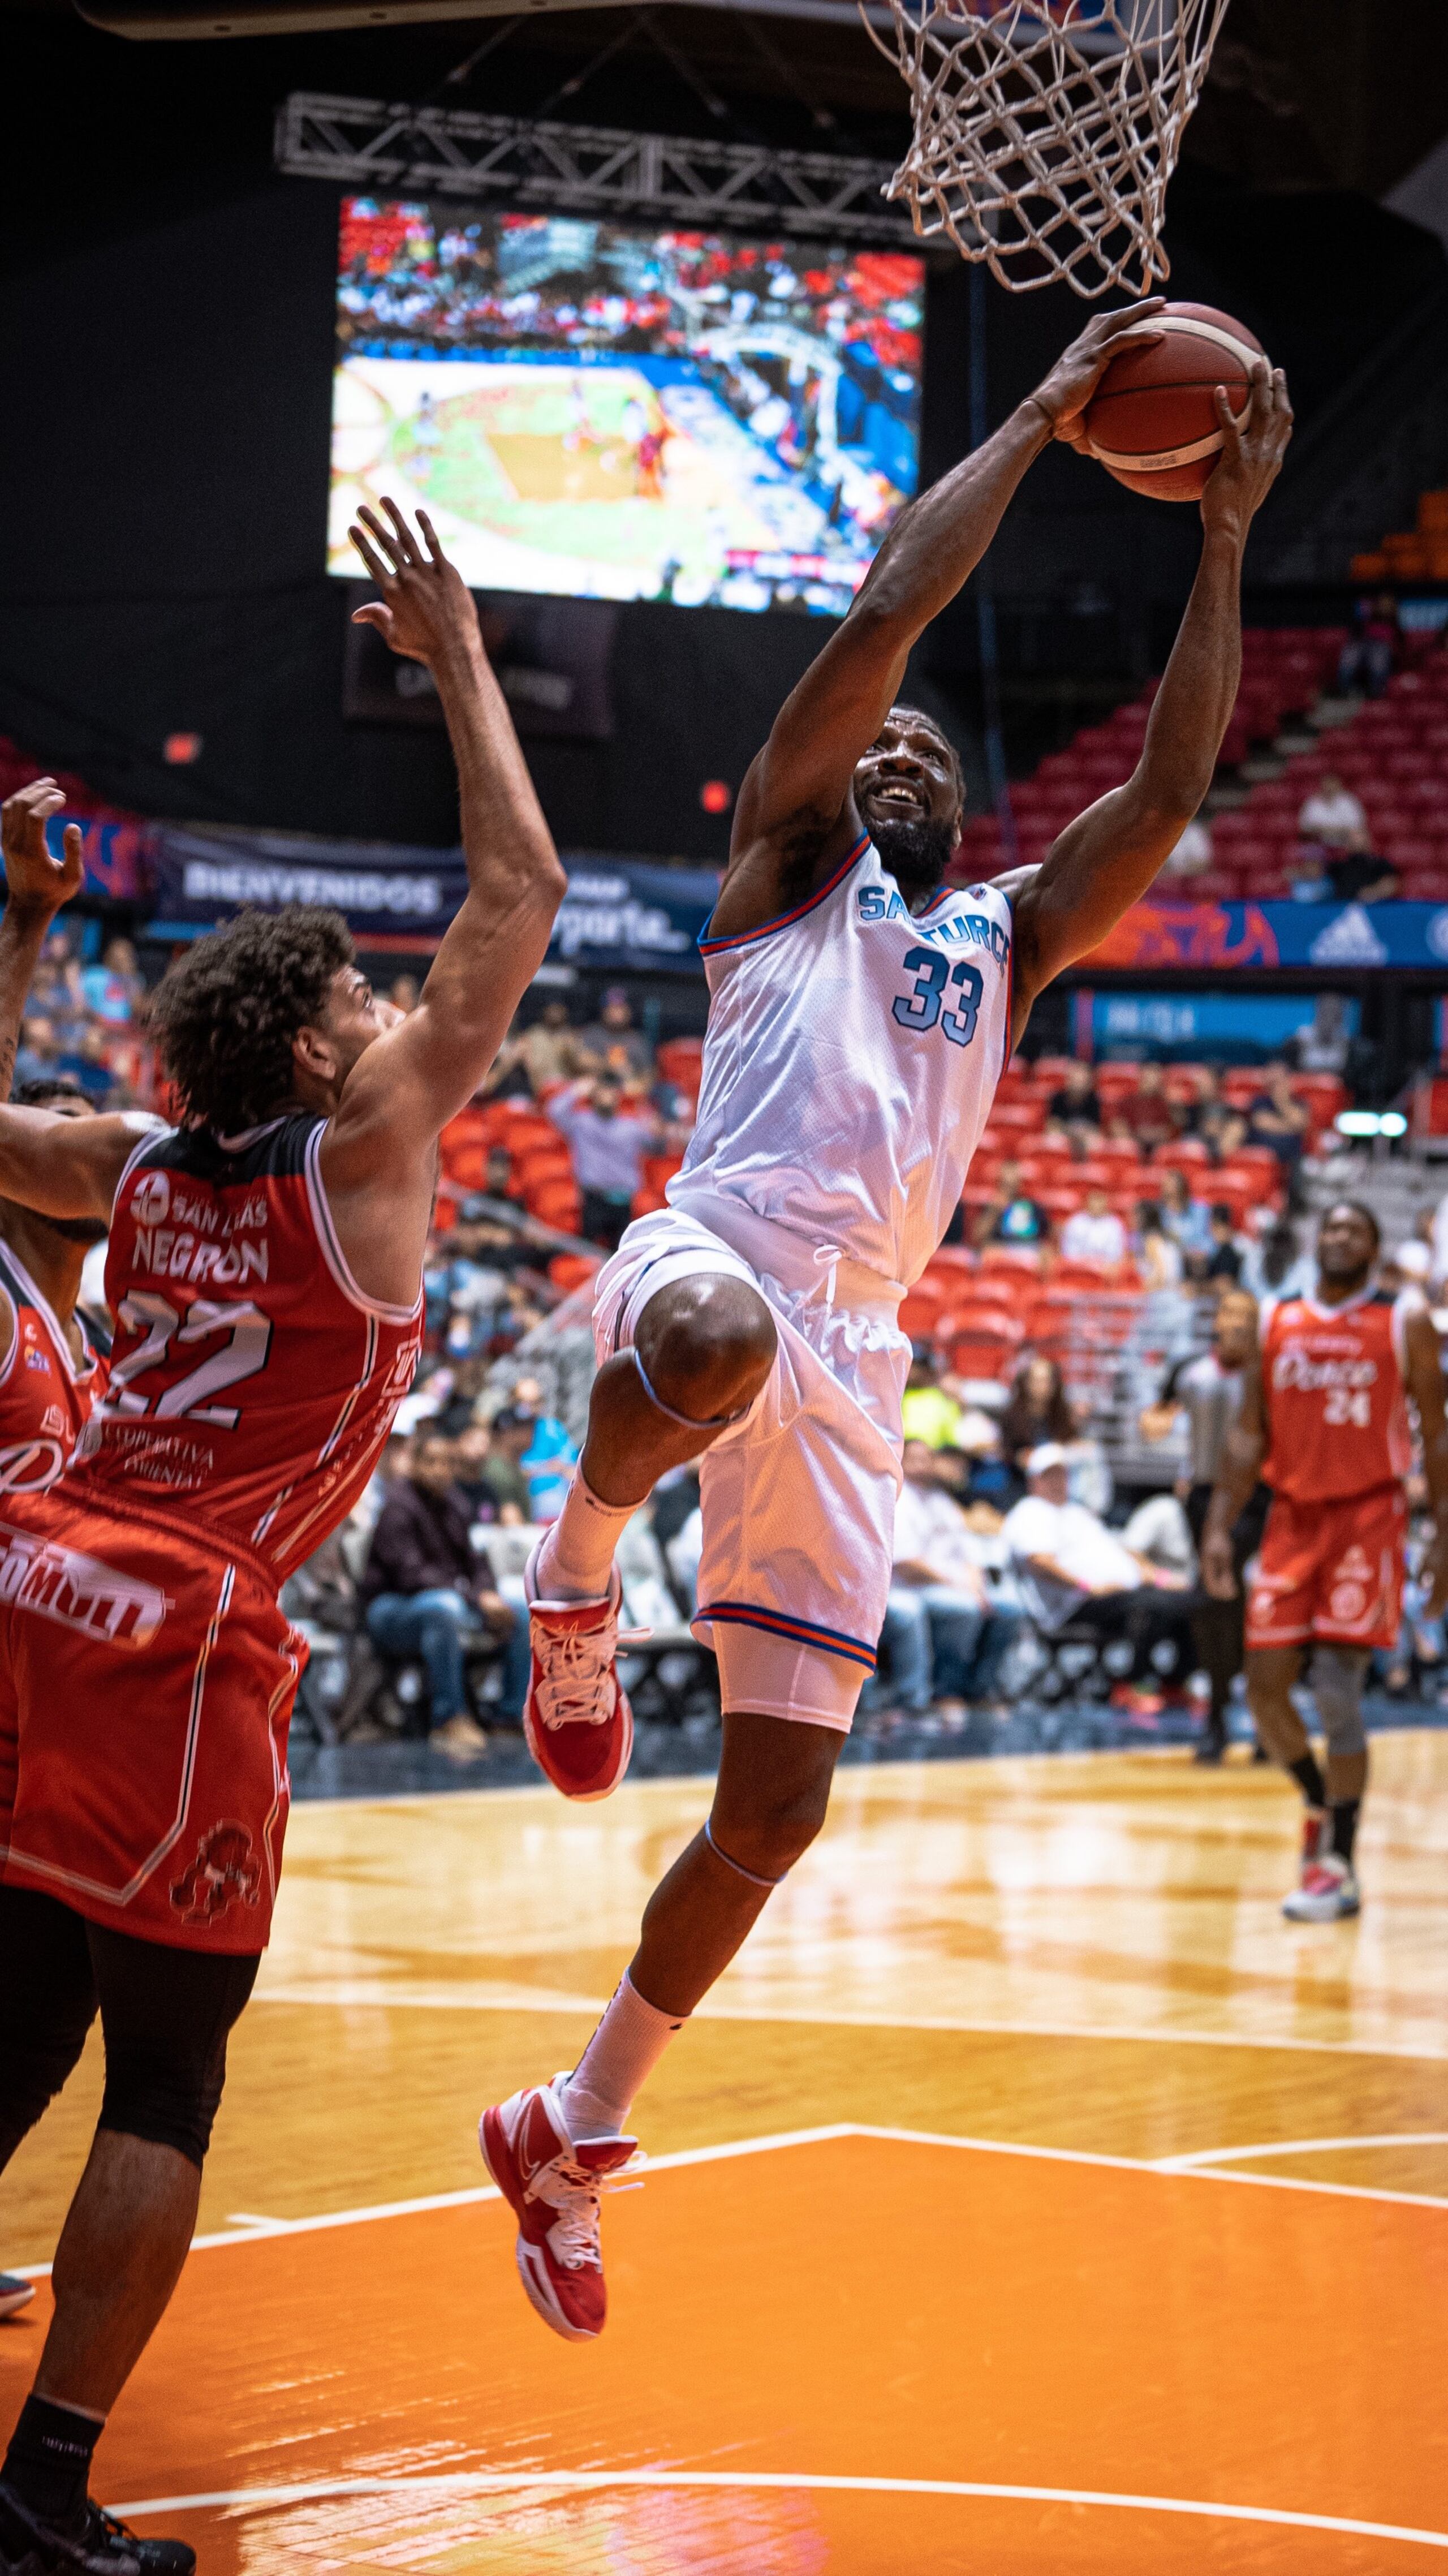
{"x": 795, "y": 814}
{"x": 1107, "y": 858}
{"x": 1423, "y": 1370}
{"x": 1243, "y": 1451}
{"x": 378, "y": 1161}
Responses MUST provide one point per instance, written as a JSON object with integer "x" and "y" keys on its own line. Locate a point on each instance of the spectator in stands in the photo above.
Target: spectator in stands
{"x": 87, "y": 1061}
{"x": 1273, "y": 1266}
{"x": 1224, "y": 1260}
{"x": 1359, "y": 877}
{"x": 502, "y": 1469}
{"x": 114, "y": 989}
{"x": 1276, "y": 1120}
{"x": 1071, "y": 1567}
{"x": 1188, "y": 1222}
{"x": 471, "y": 1451}
{"x": 403, "y": 994}
{"x": 547, "y": 1461}
{"x": 608, "y": 1151}
{"x": 928, "y": 1412}
{"x": 428, "y": 1589}
{"x": 1146, "y": 1113}
{"x": 1093, "y": 1233}
{"x": 1038, "y": 1409}
{"x": 611, "y": 1043}
{"x": 38, "y": 1056}
{"x": 1012, "y": 1216}
{"x": 1324, "y": 1045}
{"x": 1333, "y": 818}
{"x": 1212, "y": 1119}
{"x": 1076, "y": 1108}
{"x": 1208, "y": 1389}
{"x": 1307, "y": 877}
{"x": 944, "y": 1637}
{"x": 1158, "y": 1258}
{"x": 1191, "y": 857}
{"x": 1365, "y": 664}
{"x": 550, "y": 1050}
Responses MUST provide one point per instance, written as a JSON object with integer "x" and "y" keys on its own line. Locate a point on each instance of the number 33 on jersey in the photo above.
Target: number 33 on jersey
{"x": 252, "y": 1383}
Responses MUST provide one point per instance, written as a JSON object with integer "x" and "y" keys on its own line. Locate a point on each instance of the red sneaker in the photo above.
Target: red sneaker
{"x": 576, "y": 1717}
{"x": 553, "y": 2187}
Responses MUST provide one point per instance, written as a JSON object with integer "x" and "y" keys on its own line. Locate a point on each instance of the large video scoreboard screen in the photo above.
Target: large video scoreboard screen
{"x": 606, "y": 413}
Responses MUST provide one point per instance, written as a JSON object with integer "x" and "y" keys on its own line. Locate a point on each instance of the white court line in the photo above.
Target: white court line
{"x": 592, "y": 2481}
{"x": 250, "y": 2229}
{"x": 351, "y": 1995}
{"x": 1298, "y": 2147}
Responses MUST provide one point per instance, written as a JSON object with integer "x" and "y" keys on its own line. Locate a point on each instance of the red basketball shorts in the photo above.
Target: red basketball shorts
{"x": 1330, "y": 1570}
{"x": 146, "y": 1686}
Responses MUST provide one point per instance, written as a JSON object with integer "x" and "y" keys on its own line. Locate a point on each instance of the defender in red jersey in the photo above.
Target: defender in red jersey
{"x": 52, "y": 1365}
{"x": 265, "y": 1272}
{"x": 1325, "y": 1421}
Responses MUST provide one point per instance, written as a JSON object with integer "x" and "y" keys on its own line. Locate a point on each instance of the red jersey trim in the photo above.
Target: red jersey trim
{"x": 332, "y": 1252}
{"x": 49, "y": 1318}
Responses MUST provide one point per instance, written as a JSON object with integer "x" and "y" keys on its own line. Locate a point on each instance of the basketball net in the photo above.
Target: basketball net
{"x": 1046, "y": 130}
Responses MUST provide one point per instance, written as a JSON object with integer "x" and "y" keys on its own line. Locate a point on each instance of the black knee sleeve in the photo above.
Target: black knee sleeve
{"x": 167, "y": 2016}
{"x": 47, "y": 2004}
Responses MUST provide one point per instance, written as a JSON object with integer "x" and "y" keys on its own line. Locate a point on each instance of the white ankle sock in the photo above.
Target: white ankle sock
{"x": 578, "y": 1551}
{"x": 620, "y": 2057}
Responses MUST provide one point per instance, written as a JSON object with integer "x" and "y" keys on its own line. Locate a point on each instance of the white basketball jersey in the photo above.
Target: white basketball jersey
{"x": 853, "y": 1052}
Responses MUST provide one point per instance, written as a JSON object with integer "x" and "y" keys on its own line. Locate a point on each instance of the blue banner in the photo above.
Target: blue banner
{"x": 1337, "y": 937}
{"x": 621, "y": 915}
{"x": 618, "y": 915}
{"x": 204, "y": 877}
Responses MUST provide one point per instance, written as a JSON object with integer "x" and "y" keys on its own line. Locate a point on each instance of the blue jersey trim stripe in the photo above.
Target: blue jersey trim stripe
{"x": 780, "y": 1623}
{"x": 748, "y": 938}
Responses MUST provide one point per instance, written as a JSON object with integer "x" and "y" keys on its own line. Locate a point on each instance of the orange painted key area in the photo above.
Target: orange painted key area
{"x": 910, "y": 2286}
{"x": 861, "y": 2308}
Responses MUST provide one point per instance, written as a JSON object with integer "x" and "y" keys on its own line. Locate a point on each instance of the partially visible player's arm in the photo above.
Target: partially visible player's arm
{"x": 1423, "y": 1370}
{"x": 1238, "y": 1468}
{"x": 68, "y": 1166}
{"x": 795, "y": 813}
{"x": 1107, "y": 858}
{"x": 36, "y": 885}
{"x": 378, "y": 1159}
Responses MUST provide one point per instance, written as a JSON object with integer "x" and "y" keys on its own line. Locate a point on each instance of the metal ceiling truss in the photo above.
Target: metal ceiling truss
{"x": 585, "y": 169}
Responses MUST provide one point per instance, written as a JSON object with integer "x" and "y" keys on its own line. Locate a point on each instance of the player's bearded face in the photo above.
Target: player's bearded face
{"x": 915, "y": 848}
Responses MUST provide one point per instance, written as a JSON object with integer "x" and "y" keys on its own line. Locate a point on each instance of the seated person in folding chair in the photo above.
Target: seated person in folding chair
{"x": 429, "y": 1592}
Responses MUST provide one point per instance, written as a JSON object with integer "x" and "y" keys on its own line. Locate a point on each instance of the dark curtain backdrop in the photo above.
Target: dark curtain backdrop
{"x": 167, "y": 316}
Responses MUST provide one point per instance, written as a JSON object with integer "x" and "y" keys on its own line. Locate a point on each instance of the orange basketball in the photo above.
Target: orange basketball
{"x": 1152, "y": 422}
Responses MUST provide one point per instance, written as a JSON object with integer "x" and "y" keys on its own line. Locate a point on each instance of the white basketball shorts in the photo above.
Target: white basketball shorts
{"x": 798, "y": 1499}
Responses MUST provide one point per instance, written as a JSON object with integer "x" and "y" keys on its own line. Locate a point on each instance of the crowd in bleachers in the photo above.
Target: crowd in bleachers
{"x": 1355, "y": 813}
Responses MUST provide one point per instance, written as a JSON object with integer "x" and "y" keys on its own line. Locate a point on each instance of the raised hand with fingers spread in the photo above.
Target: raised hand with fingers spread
{"x": 36, "y": 885}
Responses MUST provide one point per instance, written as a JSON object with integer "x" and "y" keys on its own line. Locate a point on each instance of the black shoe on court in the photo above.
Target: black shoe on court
{"x": 97, "y": 2546}
{"x": 14, "y": 2294}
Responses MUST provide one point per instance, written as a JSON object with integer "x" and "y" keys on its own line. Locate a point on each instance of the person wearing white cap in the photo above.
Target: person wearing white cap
{"x": 1069, "y": 1565}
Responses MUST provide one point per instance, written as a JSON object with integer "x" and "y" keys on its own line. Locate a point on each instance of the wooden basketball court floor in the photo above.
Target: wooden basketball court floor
{"x": 1029, "y": 2197}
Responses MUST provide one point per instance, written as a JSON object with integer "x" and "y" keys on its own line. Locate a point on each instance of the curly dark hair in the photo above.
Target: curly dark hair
{"x": 224, "y": 1016}
{"x": 46, "y": 1089}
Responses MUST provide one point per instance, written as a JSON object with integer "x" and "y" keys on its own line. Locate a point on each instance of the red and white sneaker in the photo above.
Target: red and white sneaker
{"x": 1328, "y": 1893}
{"x": 576, "y": 1717}
{"x": 553, "y": 2187}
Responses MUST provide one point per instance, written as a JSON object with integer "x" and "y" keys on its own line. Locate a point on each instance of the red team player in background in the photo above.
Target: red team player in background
{"x": 51, "y": 1370}
{"x": 1324, "y": 1420}
{"x": 265, "y": 1270}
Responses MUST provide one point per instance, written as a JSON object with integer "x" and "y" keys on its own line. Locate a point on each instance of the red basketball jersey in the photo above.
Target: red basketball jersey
{"x": 252, "y": 1383}
{"x": 46, "y": 1394}
{"x": 1332, "y": 1386}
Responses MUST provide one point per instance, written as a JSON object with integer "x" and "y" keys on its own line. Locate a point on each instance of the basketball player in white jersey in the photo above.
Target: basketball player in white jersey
{"x": 860, "y": 1016}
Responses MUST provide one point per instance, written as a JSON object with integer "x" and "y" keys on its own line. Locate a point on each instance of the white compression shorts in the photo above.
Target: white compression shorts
{"x": 798, "y": 1498}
